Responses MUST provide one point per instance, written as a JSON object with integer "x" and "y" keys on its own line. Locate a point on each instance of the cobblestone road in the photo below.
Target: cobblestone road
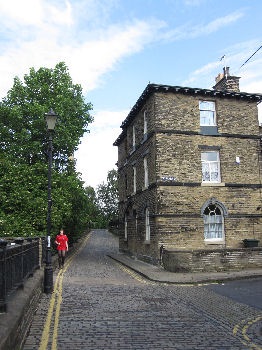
{"x": 99, "y": 304}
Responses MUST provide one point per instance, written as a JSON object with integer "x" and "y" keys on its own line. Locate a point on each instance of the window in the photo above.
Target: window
{"x": 210, "y": 166}
{"x": 134, "y": 138}
{"x": 126, "y": 227}
{"x": 145, "y": 123}
{"x": 213, "y": 223}
{"x": 145, "y": 172}
{"x": 147, "y": 223}
{"x": 207, "y": 113}
{"x": 134, "y": 179}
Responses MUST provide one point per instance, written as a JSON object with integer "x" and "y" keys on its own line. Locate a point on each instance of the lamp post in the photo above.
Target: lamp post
{"x": 48, "y": 273}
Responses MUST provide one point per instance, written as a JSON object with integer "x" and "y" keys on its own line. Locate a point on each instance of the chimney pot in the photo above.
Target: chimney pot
{"x": 226, "y": 71}
{"x": 227, "y": 82}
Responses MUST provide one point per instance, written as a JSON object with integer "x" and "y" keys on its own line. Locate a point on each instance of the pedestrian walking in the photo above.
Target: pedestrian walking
{"x": 62, "y": 247}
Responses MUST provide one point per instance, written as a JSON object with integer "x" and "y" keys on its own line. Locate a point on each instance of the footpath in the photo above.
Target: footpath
{"x": 159, "y": 274}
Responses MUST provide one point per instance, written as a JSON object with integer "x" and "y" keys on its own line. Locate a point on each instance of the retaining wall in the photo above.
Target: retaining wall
{"x": 212, "y": 260}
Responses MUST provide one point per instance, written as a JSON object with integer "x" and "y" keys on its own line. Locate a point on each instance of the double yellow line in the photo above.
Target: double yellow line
{"x": 55, "y": 304}
{"x": 241, "y": 330}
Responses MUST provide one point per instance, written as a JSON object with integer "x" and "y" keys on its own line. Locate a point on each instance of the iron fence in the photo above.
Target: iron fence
{"x": 18, "y": 261}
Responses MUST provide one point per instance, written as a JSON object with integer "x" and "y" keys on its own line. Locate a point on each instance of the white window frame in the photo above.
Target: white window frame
{"x": 214, "y": 225}
{"x": 147, "y": 225}
{"x": 134, "y": 179}
{"x": 145, "y": 123}
{"x": 125, "y": 228}
{"x": 210, "y": 167}
{"x": 134, "y": 138}
{"x": 207, "y": 113}
{"x": 145, "y": 173}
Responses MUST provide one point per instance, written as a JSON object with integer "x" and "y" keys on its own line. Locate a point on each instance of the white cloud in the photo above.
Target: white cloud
{"x": 189, "y": 31}
{"x": 218, "y": 23}
{"x": 96, "y": 154}
{"x": 47, "y": 36}
{"x": 100, "y": 56}
{"x": 14, "y": 13}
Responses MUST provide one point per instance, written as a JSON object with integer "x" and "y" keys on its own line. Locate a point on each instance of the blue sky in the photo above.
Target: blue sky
{"x": 113, "y": 48}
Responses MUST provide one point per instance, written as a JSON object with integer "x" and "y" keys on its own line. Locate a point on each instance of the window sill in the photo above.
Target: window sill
{"x": 214, "y": 184}
{"x": 215, "y": 241}
{"x": 208, "y": 130}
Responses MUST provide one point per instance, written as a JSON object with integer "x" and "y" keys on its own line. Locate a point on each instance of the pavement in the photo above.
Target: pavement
{"x": 159, "y": 274}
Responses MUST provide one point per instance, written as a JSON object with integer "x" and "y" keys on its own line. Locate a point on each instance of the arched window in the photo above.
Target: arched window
{"x": 213, "y": 214}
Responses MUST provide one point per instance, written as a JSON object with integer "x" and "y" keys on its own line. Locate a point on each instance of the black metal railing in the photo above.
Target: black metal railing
{"x": 18, "y": 261}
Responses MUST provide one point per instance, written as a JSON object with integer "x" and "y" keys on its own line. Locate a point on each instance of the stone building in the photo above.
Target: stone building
{"x": 189, "y": 174}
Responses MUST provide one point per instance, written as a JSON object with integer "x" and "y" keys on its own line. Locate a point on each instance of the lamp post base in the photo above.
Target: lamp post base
{"x": 48, "y": 279}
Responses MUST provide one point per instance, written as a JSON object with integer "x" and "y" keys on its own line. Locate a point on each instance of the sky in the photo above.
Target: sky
{"x": 114, "y": 48}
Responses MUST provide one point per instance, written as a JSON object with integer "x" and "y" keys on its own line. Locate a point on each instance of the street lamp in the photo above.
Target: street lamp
{"x": 48, "y": 273}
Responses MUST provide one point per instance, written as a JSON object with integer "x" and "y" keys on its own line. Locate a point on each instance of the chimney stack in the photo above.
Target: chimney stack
{"x": 227, "y": 82}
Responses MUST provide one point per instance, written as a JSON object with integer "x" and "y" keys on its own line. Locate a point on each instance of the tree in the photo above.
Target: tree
{"x": 107, "y": 194}
{"x": 22, "y": 111}
{"x": 23, "y": 153}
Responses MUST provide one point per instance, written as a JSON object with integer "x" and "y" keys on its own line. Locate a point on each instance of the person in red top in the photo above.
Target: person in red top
{"x": 62, "y": 246}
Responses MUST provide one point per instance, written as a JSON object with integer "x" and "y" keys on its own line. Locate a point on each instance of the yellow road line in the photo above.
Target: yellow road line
{"x": 242, "y": 328}
{"x": 46, "y": 331}
{"x": 55, "y": 303}
{"x": 57, "y": 311}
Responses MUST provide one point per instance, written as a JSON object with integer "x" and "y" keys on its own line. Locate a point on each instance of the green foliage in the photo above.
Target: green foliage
{"x": 22, "y": 115}
{"x": 23, "y": 155}
{"x": 107, "y": 194}
{"x": 22, "y": 199}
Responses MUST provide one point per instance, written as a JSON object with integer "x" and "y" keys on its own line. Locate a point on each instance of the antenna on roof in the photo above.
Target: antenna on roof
{"x": 223, "y": 58}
